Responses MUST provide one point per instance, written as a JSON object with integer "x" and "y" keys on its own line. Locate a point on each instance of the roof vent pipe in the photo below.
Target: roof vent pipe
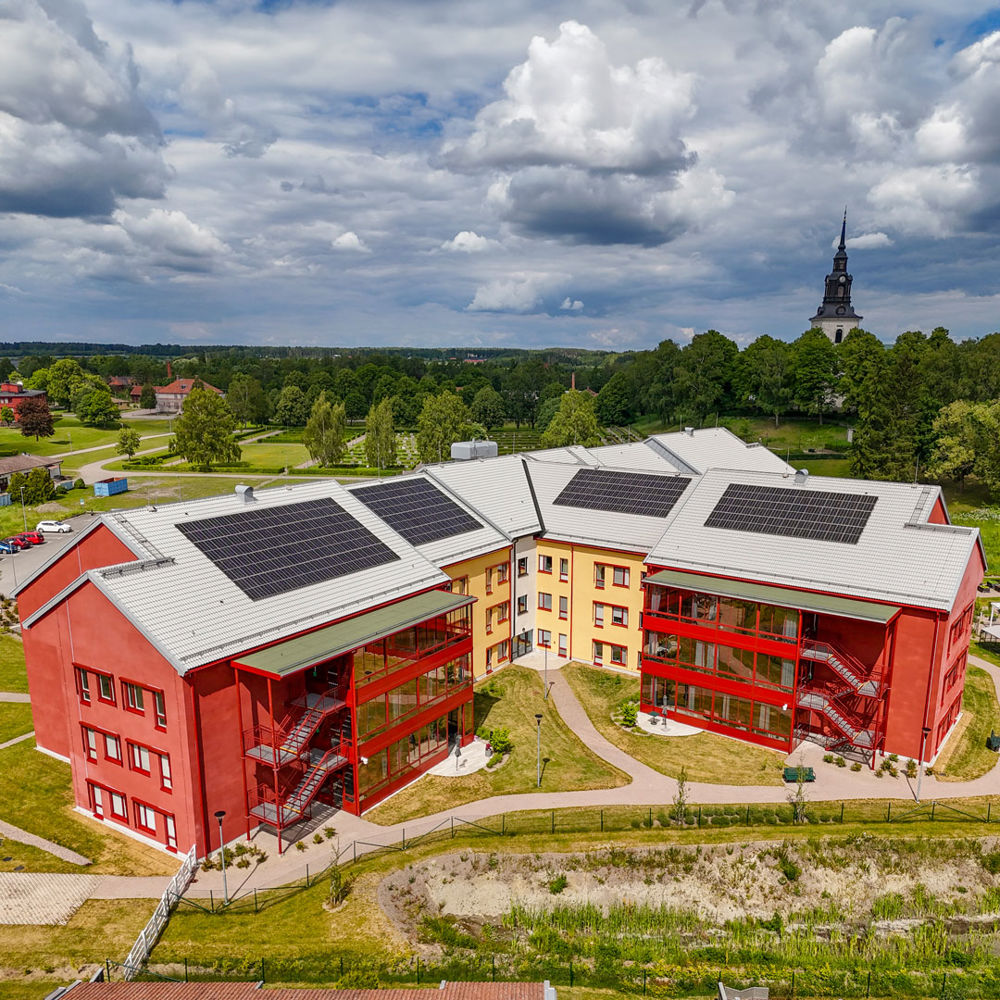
{"x": 245, "y": 493}
{"x": 801, "y": 476}
{"x": 689, "y": 431}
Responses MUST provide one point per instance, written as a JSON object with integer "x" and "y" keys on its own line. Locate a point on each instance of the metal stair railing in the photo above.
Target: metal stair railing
{"x": 820, "y": 702}
{"x": 864, "y": 681}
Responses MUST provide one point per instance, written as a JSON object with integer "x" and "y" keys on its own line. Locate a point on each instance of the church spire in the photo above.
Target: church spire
{"x": 836, "y": 316}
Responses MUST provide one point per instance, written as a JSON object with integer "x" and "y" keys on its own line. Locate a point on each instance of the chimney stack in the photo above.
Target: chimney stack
{"x": 572, "y": 380}
{"x": 170, "y": 373}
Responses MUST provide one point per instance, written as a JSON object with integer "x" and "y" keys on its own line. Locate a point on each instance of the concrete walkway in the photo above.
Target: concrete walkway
{"x": 14, "y": 696}
{"x": 17, "y": 739}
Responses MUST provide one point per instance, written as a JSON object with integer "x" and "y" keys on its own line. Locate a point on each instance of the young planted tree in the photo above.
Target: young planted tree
{"x": 203, "y": 433}
{"x": 35, "y": 418}
{"x": 380, "y": 436}
{"x": 326, "y": 432}
{"x": 128, "y": 442}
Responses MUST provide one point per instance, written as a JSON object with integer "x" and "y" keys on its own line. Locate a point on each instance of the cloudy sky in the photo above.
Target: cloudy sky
{"x": 440, "y": 172}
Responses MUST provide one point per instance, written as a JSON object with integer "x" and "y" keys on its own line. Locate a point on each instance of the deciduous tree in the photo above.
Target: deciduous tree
{"x": 488, "y": 408}
{"x": 291, "y": 409}
{"x": 128, "y": 441}
{"x": 96, "y": 408}
{"x": 815, "y": 362}
{"x": 35, "y": 418}
{"x": 443, "y": 420}
{"x": 203, "y": 433}
{"x": 380, "y": 436}
{"x": 148, "y": 398}
{"x": 326, "y": 431}
{"x": 247, "y": 400}
{"x": 575, "y": 422}
{"x": 765, "y": 376}
{"x": 703, "y": 375}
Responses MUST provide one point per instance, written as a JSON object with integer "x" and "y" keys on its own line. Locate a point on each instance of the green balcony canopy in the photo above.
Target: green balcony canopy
{"x": 308, "y": 650}
{"x": 824, "y": 604}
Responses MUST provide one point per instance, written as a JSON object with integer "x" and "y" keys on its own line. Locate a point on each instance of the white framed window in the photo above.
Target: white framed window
{"x": 97, "y": 799}
{"x": 599, "y": 615}
{"x": 89, "y": 743}
{"x": 598, "y": 652}
{"x": 105, "y": 688}
{"x": 83, "y": 685}
{"x": 564, "y": 607}
{"x": 564, "y": 569}
{"x": 563, "y": 645}
{"x": 138, "y": 758}
{"x": 171, "y": 830}
{"x": 166, "y": 780}
{"x": 119, "y": 807}
{"x": 545, "y": 564}
{"x": 160, "y": 709}
{"x": 619, "y": 655}
{"x": 145, "y": 817}
{"x": 544, "y": 637}
{"x": 133, "y": 697}
{"x": 545, "y": 601}
{"x": 599, "y": 569}
{"x": 112, "y": 748}
{"x": 621, "y": 576}
{"x": 619, "y": 616}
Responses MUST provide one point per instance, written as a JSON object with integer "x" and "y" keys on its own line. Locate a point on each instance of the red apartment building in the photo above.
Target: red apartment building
{"x": 13, "y": 394}
{"x": 264, "y": 654}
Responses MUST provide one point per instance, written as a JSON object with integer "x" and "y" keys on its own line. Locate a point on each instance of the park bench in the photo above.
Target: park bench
{"x": 792, "y": 773}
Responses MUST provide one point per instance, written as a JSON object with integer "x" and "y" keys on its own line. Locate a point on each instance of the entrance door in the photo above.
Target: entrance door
{"x": 522, "y": 643}
{"x": 454, "y": 731}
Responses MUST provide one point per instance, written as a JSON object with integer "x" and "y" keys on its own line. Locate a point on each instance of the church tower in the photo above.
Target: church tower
{"x": 836, "y": 316}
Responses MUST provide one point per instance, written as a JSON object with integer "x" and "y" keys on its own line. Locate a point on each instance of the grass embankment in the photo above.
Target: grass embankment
{"x": 36, "y": 795}
{"x": 13, "y": 675}
{"x": 302, "y": 943}
{"x": 706, "y": 756}
{"x": 990, "y": 653}
{"x": 965, "y": 757}
{"x": 508, "y": 700}
{"x": 43, "y": 957}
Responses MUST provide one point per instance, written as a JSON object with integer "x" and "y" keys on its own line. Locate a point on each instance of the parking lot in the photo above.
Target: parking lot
{"x": 21, "y": 564}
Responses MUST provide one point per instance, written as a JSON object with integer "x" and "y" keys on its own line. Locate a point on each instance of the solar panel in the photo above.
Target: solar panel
{"x": 417, "y": 509}
{"x": 623, "y": 492}
{"x": 273, "y": 550}
{"x": 794, "y": 513}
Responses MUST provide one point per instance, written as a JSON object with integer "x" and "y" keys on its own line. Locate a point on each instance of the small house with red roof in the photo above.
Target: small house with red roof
{"x": 171, "y": 398}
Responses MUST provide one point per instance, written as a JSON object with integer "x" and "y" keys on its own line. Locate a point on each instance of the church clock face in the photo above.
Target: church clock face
{"x": 842, "y": 279}
{"x": 841, "y": 310}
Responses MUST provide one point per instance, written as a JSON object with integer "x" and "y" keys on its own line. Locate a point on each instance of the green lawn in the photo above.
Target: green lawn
{"x": 966, "y": 756}
{"x": 990, "y": 652}
{"x": 509, "y": 699}
{"x": 706, "y": 756}
{"x": 15, "y": 720}
{"x": 989, "y": 531}
{"x": 71, "y": 435}
{"x": 36, "y": 795}
{"x": 13, "y": 676}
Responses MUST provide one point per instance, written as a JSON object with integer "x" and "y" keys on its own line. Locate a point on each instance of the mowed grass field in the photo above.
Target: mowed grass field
{"x": 965, "y": 756}
{"x": 71, "y": 435}
{"x": 509, "y": 699}
{"x": 705, "y": 756}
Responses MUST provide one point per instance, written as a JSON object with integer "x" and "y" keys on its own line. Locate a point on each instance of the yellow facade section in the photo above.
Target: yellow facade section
{"x": 482, "y": 578}
{"x": 577, "y": 572}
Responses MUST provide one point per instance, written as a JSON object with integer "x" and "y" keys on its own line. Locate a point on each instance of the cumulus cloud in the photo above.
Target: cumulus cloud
{"x": 75, "y": 137}
{"x": 171, "y": 232}
{"x": 350, "y": 241}
{"x": 589, "y": 151}
{"x": 518, "y": 294}
{"x": 468, "y": 242}
{"x": 867, "y": 241}
{"x": 572, "y": 305}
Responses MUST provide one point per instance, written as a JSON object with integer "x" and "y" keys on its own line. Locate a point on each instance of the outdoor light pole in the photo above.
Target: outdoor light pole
{"x": 23, "y": 512}
{"x": 545, "y": 653}
{"x": 538, "y": 783}
{"x": 924, "y": 733}
{"x": 220, "y": 815}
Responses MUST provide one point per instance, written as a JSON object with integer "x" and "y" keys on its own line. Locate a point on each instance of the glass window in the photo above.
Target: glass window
{"x": 161, "y": 710}
{"x": 489, "y": 579}
{"x": 371, "y": 715}
{"x": 562, "y": 645}
{"x": 736, "y": 663}
{"x": 733, "y": 711}
{"x": 619, "y": 655}
{"x": 105, "y": 689}
{"x": 118, "y": 805}
{"x": 83, "y": 683}
{"x": 619, "y": 616}
{"x": 372, "y": 771}
{"x": 171, "y": 830}
{"x": 773, "y": 721}
{"x": 522, "y": 604}
{"x": 599, "y": 575}
{"x": 599, "y": 615}
{"x": 166, "y": 781}
{"x": 563, "y": 607}
{"x": 656, "y": 599}
{"x": 545, "y": 564}
{"x": 112, "y": 748}
{"x": 621, "y": 576}
{"x": 780, "y": 622}
{"x": 662, "y": 645}
{"x": 664, "y": 692}
{"x": 598, "y": 652}
{"x": 646, "y": 689}
{"x": 544, "y": 637}
{"x": 563, "y": 569}
{"x": 90, "y": 743}
{"x": 402, "y": 700}
{"x": 502, "y": 570}
{"x": 522, "y": 566}
{"x": 545, "y": 601}
{"x": 138, "y": 758}
{"x": 775, "y": 671}
{"x": 145, "y": 817}
{"x": 460, "y": 586}
{"x": 697, "y": 654}
{"x": 133, "y": 696}
{"x": 694, "y": 700}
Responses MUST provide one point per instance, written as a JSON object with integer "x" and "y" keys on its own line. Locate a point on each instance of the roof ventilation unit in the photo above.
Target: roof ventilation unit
{"x": 245, "y": 493}
{"x": 689, "y": 431}
{"x": 463, "y": 451}
{"x": 801, "y": 476}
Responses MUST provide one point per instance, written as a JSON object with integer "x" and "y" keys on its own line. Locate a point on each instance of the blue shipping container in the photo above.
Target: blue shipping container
{"x": 110, "y": 487}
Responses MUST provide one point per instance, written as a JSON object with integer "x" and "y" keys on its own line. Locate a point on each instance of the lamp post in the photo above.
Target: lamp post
{"x": 545, "y": 654}
{"x": 924, "y": 733}
{"x": 24, "y": 515}
{"x": 220, "y": 815}
{"x": 538, "y": 780}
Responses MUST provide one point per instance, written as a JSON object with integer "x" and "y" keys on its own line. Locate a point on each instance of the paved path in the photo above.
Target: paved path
{"x": 17, "y": 739}
{"x": 23, "y": 837}
{"x": 14, "y": 696}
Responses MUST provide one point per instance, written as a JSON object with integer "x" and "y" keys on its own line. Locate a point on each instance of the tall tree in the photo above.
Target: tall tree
{"x": 703, "y": 375}
{"x": 148, "y": 398}
{"x": 35, "y": 418}
{"x": 615, "y": 400}
{"x": 128, "y": 441}
{"x": 246, "y": 399}
{"x": 380, "y": 436}
{"x": 443, "y": 420}
{"x": 956, "y": 430}
{"x": 765, "y": 376}
{"x": 203, "y": 433}
{"x": 291, "y": 409}
{"x": 96, "y": 408}
{"x": 326, "y": 431}
{"x": 488, "y": 408}
{"x": 859, "y": 353}
{"x": 575, "y": 422}
{"x": 815, "y": 362}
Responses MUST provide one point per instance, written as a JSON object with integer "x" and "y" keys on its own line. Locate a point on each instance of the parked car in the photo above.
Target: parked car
{"x": 18, "y": 543}
{"x": 35, "y": 537}
{"x": 56, "y": 527}
{"x": 8, "y": 548}
{"x": 23, "y": 538}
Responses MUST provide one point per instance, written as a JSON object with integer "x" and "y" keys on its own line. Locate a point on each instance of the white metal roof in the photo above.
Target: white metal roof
{"x": 573, "y": 454}
{"x": 716, "y": 448}
{"x": 627, "y": 532}
{"x": 445, "y": 551}
{"x": 194, "y": 614}
{"x": 498, "y": 488}
{"x": 899, "y": 558}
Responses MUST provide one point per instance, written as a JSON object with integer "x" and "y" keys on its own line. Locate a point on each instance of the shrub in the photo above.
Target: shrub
{"x": 911, "y": 768}
{"x": 317, "y": 838}
{"x": 330, "y": 832}
{"x": 856, "y": 766}
{"x": 788, "y": 867}
{"x": 300, "y": 845}
{"x": 79, "y": 484}
{"x": 243, "y": 863}
{"x": 828, "y": 758}
{"x": 557, "y": 884}
{"x": 630, "y": 713}
{"x": 494, "y": 760}
{"x": 501, "y": 742}
{"x": 841, "y": 762}
{"x": 991, "y": 862}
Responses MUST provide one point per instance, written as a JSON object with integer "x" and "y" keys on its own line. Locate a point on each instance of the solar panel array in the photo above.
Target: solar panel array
{"x": 273, "y": 550}
{"x": 416, "y": 509}
{"x": 623, "y": 492}
{"x": 794, "y": 513}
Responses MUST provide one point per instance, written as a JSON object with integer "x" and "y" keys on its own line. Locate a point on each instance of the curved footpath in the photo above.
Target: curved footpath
{"x": 647, "y": 788}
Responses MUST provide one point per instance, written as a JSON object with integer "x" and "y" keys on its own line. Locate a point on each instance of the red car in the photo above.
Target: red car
{"x": 33, "y": 537}
{"x": 18, "y": 542}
